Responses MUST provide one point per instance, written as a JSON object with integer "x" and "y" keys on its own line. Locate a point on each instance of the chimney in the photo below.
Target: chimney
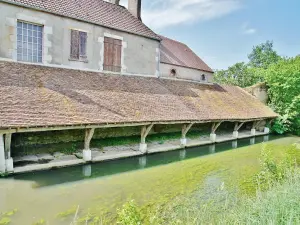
{"x": 135, "y": 6}
{"x": 117, "y": 2}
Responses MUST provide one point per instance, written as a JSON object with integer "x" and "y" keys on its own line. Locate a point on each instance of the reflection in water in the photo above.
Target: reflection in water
{"x": 252, "y": 141}
{"x": 182, "y": 154}
{"x": 87, "y": 170}
{"x": 142, "y": 162}
{"x": 212, "y": 149}
{"x": 266, "y": 138}
{"x": 234, "y": 144}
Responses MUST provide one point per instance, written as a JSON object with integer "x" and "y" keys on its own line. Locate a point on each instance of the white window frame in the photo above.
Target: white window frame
{"x": 22, "y": 41}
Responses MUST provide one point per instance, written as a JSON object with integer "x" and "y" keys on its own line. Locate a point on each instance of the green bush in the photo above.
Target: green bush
{"x": 129, "y": 214}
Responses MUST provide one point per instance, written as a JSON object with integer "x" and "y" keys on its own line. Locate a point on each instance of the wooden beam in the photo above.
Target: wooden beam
{"x": 185, "y": 129}
{"x": 111, "y": 125}
{"x": 7, "y": 145}
{"x": 144, "y": 133}
{"x": 88, "y": 137}
{"x": 238, "y": 126}
{"x": 215, "y": 126}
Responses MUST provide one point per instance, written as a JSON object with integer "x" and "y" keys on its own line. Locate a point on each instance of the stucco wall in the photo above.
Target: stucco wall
{"x": 184, "y": 73}
{"x": 260, "y": 91}
{"x": 140, "y": 55}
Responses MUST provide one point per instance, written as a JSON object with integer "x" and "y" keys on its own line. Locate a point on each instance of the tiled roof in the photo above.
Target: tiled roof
{"x": 93, "y": 11}
{"x": 33, "y": 95}
{"x": 177, "y": 53}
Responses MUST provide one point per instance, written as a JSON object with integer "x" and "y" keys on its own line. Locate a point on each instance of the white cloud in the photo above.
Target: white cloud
{"x": 247, "y": 29}
{"x": 159, "y": 14}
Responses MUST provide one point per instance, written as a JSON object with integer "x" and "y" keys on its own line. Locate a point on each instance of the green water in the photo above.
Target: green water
{"x": 98, "y": 189}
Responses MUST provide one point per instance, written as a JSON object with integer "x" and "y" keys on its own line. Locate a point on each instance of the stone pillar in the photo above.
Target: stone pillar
{"x": 252, "y": 141}
{"x": 253, "y": 131}
{"x": 183, "y": 142}
{"x": 266, "y": 130}
{"x": 2, "y": 155}
{"x": 87, "y": 170}
{"x": 234, "y": 144}
{"x": 143, "y": 148}
{"x": 235, "y": 134}
{"x": 213, "y": 137}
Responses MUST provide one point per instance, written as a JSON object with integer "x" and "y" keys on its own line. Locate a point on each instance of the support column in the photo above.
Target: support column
{"x": 2, "y": 155}
{"x": 144, "y": 133}
{"x": 185, "y": 129}
{"x": 236, "y": 129}
{"x": 213, "y": 135}
{"x": 87, "y": 153}
{"x": 234, "y": 144}
{"x": 87, "y": 170}
{"x": 212, "y": 149}
{"x": 253, "y": 129}
{"x": 9, "y": 160}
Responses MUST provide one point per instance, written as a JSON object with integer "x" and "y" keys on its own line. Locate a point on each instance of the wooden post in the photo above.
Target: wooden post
{"x": 215, "y": 126}
{"x": 144, "y": 133}
{"x": 88, "y": 137}
{"x": 238, "y": 126}
{"x": 185, "y": 129}
{"x": 7, "y": 145}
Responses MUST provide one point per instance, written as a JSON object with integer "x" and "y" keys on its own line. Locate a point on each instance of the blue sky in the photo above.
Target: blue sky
{"x": 223, "y": 32}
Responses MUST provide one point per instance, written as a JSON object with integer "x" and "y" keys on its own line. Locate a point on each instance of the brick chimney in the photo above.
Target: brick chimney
{"x": 117, "y": 2}
{"x": 135, "y": 6}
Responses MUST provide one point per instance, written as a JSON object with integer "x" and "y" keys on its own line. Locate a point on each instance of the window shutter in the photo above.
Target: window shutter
{"x": 117, "y": 55}
{"x": 112, "y": 54}
{"x": 83, "y": 39}
{"x": 74, "y": 44}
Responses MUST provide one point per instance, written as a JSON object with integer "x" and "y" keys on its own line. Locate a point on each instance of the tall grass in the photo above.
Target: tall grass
{"x": 277, "y": 201}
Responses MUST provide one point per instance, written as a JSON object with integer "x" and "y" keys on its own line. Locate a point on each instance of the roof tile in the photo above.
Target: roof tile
{"x": 93, "y": 11}
{"x": 177, "y": 53}
{"x": 33, "y": 95}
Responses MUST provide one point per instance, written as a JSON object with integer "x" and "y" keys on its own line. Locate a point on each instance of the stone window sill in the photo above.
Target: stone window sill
{"x": 79, "y": 60}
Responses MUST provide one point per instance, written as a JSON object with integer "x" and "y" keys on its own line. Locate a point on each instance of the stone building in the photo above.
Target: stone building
{"x": 90, "y": 64}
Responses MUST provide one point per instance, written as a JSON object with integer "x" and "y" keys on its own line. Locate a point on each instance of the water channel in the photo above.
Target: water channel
{"x": 100, "y": 187}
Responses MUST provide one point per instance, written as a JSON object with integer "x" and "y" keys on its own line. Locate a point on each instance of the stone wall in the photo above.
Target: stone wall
{"x": 260, "y": 91}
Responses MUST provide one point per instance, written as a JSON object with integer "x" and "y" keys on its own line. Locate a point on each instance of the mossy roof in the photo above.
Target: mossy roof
{"x": 34, "y": 95}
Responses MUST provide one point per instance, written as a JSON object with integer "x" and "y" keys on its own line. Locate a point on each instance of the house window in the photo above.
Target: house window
{"x": 203, "y": 77}
{"x": 112, "y": 54}
{"x": 29, "y": 42}
{"x": 78, "y": 45}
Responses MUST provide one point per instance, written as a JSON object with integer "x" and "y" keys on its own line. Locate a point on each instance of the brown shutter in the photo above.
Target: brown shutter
{"x": 117, "y": 55}
{"x": 74, "y": 44}
{"x": 112, "y": 54}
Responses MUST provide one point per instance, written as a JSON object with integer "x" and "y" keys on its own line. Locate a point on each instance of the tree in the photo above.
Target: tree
{"x": 263, "y": 55}
{"x": 240, "y": 74}
{"x": 283, "y": 80}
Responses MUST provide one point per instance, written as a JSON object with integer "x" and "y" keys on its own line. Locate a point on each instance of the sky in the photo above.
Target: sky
{"x": 223, "y": 32}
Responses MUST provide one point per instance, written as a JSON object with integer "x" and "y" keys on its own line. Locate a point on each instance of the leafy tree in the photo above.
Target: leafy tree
{"x": 263, "y": 55}
{"x": 240, "y": 74}
{"x": 283, "y": 80}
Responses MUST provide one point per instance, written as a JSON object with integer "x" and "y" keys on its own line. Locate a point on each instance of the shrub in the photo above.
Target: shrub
{"x": 129, "y": 214}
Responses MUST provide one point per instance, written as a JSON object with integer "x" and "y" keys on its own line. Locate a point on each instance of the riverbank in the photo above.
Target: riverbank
{"x": 39, "y": 162}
